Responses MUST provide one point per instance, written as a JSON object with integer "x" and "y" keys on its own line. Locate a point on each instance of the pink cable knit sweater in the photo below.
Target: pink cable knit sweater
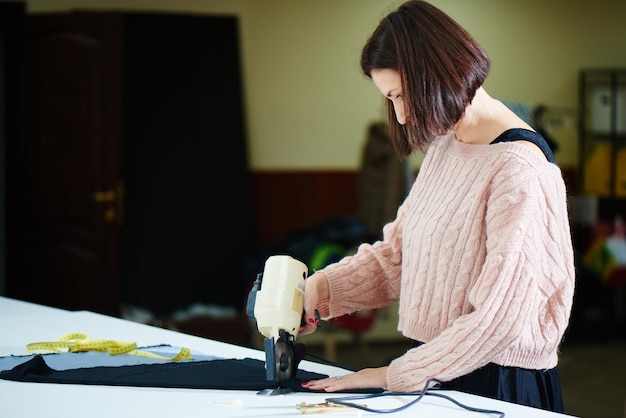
{"x": 480, "y": 258}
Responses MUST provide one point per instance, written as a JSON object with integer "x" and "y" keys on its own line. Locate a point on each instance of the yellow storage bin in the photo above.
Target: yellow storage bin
{"x": 597, "y": 172}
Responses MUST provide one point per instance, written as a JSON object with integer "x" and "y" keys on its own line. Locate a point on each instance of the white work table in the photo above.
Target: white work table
{"x": 22, "y": 323}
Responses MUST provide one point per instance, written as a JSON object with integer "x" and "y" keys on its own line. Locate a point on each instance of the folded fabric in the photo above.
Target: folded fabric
{"x": 241, "y": 374}
{"x": 64, "y": 361}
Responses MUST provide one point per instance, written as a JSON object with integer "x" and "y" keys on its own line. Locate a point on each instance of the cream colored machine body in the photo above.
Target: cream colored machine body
{"x": 276, "y": 303}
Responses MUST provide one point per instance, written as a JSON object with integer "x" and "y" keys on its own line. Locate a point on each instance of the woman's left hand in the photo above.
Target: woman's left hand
{"x": 363, "y": 379}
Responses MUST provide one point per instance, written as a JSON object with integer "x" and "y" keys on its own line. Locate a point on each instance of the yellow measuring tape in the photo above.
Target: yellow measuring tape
{"x": 77, "y": 342}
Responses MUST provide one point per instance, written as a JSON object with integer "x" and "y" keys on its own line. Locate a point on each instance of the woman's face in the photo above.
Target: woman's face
{"x": 390, "y": 85}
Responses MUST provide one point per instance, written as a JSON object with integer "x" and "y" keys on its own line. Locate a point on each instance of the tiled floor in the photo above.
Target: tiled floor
{"x": 593, "y": 375}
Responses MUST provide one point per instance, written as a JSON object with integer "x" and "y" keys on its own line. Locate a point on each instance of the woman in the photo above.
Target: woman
{"x": 479, "y": 256}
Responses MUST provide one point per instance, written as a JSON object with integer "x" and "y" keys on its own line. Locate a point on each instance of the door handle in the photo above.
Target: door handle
{"x": 106, "y": 196}
{"x": 112, "y": 196}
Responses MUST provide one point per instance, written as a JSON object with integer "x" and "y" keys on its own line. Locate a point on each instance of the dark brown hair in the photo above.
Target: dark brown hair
{"x": 440, "y": 64}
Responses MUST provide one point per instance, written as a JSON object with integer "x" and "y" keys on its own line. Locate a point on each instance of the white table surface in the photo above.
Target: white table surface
{"x": 22, "y": 323}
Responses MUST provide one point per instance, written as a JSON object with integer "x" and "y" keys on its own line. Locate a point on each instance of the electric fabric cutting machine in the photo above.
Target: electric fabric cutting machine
{"x": 276, "y": 304}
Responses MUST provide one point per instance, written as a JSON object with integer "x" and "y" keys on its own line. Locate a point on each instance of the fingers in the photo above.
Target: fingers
{"x": 330, "y": 384}
{"x": 311, "y": 296}
{"x": 313, "y": 293}
{"x": 366, "y": 378}
{"x": 309, "y": 323}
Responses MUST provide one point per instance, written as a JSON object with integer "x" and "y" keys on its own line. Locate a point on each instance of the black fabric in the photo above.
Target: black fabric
{"x": 519, "y": 134}
{"x": 241, "y": 374}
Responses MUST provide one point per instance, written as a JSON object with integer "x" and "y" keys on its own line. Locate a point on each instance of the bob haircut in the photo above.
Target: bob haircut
{"x": 440, "y": 64}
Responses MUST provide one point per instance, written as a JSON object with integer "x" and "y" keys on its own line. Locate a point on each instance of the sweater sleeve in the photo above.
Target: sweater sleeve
{"x": 368, "y": 279}
{"x": 522, "y": 296}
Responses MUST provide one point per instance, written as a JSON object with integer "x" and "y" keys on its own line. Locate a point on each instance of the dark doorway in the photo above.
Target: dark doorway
{"x": 133, "y": 182}
{"x": 11, "y": 15}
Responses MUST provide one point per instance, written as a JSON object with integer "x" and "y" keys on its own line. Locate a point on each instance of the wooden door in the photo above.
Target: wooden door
{"x": 66, "y": 249}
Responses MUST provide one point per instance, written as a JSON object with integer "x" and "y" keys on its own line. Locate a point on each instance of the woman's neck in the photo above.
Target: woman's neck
{"x": 485, "y": 118}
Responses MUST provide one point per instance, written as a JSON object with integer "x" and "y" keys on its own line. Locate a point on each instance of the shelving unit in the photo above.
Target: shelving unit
{"x": 602, "y": 154}
{"x": 602, "y": 164}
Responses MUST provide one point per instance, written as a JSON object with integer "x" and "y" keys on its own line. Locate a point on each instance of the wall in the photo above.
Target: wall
{"x": 308, "y": 106}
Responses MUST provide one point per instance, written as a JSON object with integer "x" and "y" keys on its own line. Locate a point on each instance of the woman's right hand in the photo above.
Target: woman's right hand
{"x": 315, "y": 290}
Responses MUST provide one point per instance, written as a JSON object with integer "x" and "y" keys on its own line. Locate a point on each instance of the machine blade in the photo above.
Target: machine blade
{"x": 284, "y": 361}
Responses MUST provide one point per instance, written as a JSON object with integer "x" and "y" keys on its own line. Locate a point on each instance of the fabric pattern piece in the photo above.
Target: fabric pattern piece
{"x": 233, "y": 374}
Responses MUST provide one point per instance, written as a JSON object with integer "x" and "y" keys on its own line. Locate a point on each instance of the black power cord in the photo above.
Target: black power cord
{"x": 428, "y": 391}
{"x": 326, "y": 361}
